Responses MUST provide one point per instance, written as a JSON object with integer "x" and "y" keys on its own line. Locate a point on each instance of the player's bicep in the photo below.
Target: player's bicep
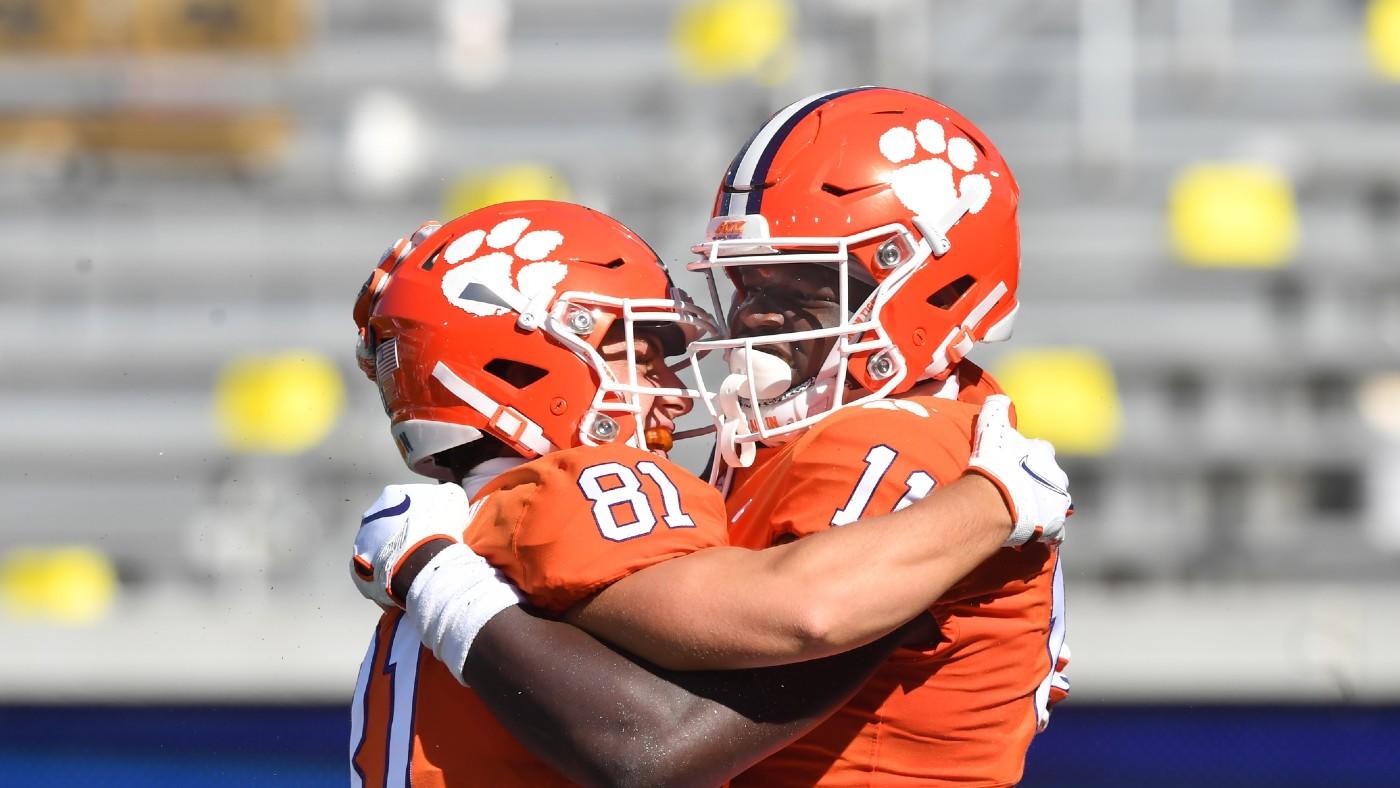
{"x": 668, "y": 611}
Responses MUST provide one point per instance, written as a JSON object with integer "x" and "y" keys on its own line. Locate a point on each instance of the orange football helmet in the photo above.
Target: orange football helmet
{"x": 895, "y": 191}
{"x": 491, "y": 325}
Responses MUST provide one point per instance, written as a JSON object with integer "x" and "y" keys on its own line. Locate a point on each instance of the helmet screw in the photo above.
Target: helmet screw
{"x": 580, "y": 322}
{"x": 919, "y": 337}
{"x": 880, "y": 366}
{"x": 888, "y": 255}
{"x": 604, "y": 428}
{"x": 558, "y": 406}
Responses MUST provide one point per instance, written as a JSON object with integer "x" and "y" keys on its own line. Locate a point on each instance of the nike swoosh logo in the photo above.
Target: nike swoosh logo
{"x": 1041, "y": 479}
{"x": 392, "y": 511}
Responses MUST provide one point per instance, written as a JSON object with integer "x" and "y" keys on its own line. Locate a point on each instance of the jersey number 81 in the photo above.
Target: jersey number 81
{"x": 621, "y": 505}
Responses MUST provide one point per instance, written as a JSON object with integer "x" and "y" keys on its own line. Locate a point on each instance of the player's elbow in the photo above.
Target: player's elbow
{"x": 816, "y": 629}
{"x": 828, "y": 623}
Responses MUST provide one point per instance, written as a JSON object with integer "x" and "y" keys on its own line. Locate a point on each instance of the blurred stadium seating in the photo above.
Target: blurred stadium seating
{"x": 185, "y": 183}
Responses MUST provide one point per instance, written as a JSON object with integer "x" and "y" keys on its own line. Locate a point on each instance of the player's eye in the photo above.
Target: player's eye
{"x": 646, "y": 349}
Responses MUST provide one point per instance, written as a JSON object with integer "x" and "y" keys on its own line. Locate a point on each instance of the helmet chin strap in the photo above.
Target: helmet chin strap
{"x": 961, "y": 339}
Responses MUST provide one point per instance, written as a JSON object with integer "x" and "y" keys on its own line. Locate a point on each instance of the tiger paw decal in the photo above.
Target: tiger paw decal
{"x": 484, "y": 285}
{"x": 925, "y": 185}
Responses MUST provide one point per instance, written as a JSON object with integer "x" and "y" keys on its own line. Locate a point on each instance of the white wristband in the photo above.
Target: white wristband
{"x": 452, "y": 599}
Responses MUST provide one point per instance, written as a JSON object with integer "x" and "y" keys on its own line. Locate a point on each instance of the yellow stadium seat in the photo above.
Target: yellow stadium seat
{"x": 285, "y": 403}
{"x": 45, "y": 25}
{"x": 504, "y": 184}
{"x": 1067, "y": 396}
{"x": 54, "y": 133}
{"x": 1233, "y": 215}
{"x": 73, "y": 585}
{"x": 1383, "y": 37}
{"x": 243, "y": 136}
{"x": 723, "y": 39}
{"x": 261, "y": 26}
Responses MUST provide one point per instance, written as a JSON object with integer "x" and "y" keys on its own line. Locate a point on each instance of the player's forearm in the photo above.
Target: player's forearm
{"x": 873, "y": 575}
{"x": 733, "y": 608}
{"x": 603, "y": 719}
{"x": 566, "y": 697}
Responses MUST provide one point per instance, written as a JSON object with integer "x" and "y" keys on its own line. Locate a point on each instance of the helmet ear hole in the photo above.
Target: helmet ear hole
{"x": 949, "y": 295}
{"x": 516, "y": 374}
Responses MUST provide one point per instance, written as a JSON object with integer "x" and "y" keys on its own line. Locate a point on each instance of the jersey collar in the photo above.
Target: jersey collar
{"x": 483, "y": 473}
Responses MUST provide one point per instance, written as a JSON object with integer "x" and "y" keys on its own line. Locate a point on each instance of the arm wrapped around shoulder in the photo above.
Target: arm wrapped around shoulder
{"x": 404, "y": 518}
{"x": 1035, "y": 488}
{"x": 454, "y": 596}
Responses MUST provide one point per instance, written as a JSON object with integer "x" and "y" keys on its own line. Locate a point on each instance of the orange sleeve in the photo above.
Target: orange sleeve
{"x": 572, "y": 522}
{"x": 873, "y": 460}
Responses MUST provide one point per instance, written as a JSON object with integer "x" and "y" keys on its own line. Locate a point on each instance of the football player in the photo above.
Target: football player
{"x": 540, "y": 330}
{"x": 871, "y": 238}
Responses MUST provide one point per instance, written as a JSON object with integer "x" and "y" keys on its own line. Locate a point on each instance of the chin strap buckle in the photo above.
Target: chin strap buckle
{"x": 960, "y": 345}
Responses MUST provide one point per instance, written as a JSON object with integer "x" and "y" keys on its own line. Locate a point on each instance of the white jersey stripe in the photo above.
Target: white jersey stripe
{"x": 403, "y": 662}
{"x": 1055, "y": 646}
{"x": 357, "y": 709}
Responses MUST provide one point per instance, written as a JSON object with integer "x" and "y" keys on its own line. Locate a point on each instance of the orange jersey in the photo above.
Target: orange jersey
{"x": 962, "y": 712}
{"x": 562, "y": 527}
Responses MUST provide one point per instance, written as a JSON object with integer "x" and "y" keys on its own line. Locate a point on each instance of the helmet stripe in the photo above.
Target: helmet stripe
{"x": 725, "y": 192}
{"x": 750, "y": 167}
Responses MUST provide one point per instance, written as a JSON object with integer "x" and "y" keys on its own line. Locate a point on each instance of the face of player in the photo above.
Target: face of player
{"x": 649, "y": 359}
{"x": 780, "y": 299}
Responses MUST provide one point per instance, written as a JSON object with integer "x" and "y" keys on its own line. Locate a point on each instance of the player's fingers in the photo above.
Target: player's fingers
{"x": 361, "y": 567}
{"x": 447, "y": 507}
{"x": 1051, "y": 533}
{"x": 451, "y": 495}
{"x": 1042, "y": 460}
{"x": 996, "y": 410}
{"x": 391, "y": 497}
{"x": 994, "y": 420}
{"x": 1043, "y": 447}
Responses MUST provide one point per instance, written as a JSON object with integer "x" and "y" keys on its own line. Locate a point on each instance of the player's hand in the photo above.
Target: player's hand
{"x": 1034, "y": 487}
{"x": 405, "y": 518}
